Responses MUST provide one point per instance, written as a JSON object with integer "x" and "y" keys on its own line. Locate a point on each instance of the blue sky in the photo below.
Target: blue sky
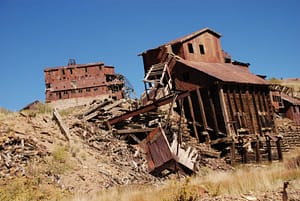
{"x": 35, "y": 34}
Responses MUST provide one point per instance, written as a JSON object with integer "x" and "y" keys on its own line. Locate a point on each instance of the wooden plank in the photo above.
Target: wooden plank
{"x": 91, "y": 115}
{"x": 61, "y": 124}
{"x": 129, "y": 131}
{"x": 96, "y": 107}
{"x": 147, "y": 108}
{"x": 114, "y": 104}
{"x": 250, "y": 111}
{"x": 193, "y": 116}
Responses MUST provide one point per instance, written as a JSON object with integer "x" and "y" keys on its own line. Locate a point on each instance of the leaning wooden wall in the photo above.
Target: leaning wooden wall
{"x": 249, "y": 109}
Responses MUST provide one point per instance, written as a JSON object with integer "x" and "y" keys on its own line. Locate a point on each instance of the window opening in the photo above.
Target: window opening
{"x": 191, "y": 49}
{"x": 201, "y": 47}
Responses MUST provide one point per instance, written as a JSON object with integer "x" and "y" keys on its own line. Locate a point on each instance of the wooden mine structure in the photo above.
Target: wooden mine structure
{"x": 284, "y": 103}
{"x": 228, "y": 106}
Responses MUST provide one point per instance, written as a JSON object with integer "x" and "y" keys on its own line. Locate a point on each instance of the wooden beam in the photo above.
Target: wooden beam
{"x": 213, "y": 111}
{"x": 243, "y": 120}
{"x": 256, "y": 111}
{"x": 224, "y": 111}
{"x": 250, "y": 111}
{"x": 61, "y": 124}
{"x": 257, "y": 151}
{"x": 193, "y": 116}
{"x": 237, "y": 110}
{"x": 269, "y": 148}
{"x": 147, "y": 108}
{"x": 232, "y": 153}
{"x": 129, "y": 131}
{"x": 202, "y": 110}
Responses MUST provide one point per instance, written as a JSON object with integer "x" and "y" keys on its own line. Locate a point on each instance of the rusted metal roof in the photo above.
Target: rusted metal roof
{"x": 225, "y": 72}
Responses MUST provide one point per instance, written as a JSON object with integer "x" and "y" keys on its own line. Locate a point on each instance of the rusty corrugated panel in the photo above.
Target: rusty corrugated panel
{"x": 161, "y": 155}
{"x": 224, "y": 72}
{"x": 158, "y": 149}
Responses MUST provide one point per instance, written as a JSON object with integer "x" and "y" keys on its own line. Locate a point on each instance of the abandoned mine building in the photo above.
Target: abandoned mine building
{"x": 285, "y": 103}
{"x": 77, "y": 84}
{"x": 227, "y": 106}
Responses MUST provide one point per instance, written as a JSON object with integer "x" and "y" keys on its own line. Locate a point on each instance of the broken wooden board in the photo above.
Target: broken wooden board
{"x": 61, "y": 124}
{"x": 163, "y": 156}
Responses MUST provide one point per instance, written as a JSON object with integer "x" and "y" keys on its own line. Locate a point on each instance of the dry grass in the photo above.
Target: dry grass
{"x": 253, "y": 178}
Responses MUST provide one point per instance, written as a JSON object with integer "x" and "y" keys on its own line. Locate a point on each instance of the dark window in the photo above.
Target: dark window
{"x": 80, "y": 90}
{"x": 73, "y": 91}
{"x": 191, "y": 49}
{"x": 63, "y": 71}
{"x": 201, "y": 48}
{"x": 71, "y": 71}
{"x": 88, "y": 90}
{"x": 96, "y": 89}
{"x": 186, "y": 76}
{"x": 85, "y": 69}
{"x": 65, "y": 92}
{"x": 100, "y": 67}
{"x": 48, "y": 85}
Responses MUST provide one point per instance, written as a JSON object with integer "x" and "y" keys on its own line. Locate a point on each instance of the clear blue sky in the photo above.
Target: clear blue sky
{"x": 35, "y": 34}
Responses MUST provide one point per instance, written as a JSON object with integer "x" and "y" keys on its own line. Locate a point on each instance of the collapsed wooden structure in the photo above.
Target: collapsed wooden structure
{"x": 228, "y": 107}
{"x": 284, "y": 102}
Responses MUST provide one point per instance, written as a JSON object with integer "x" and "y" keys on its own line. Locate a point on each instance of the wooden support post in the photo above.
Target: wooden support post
{"x": 232, "y": 153}
{"x": 193, "y": 116}
{"x": 202, "y": 110}
{"x": 269, "y": 149}
{"x": 256, "y": 111}
{"x": 213, "y": 111}
{"x": 257, "y": 151}
{"x": 243, "y": 120}
{"x": 279, "y": 151}
{"x": 250, "y": 112}
{"x": 224, "y": 111}
{"x": 245, "y": 155}
{"x": 237, "y": 110}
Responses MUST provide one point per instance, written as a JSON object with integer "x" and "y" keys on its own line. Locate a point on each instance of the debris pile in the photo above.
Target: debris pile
{"x": 16, "y": 152}
{"x": 92, "y": 128}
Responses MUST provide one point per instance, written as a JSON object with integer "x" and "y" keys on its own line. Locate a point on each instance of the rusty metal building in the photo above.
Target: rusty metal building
{"x": 81, "y": 81}
{"x": 228, "y": 106}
